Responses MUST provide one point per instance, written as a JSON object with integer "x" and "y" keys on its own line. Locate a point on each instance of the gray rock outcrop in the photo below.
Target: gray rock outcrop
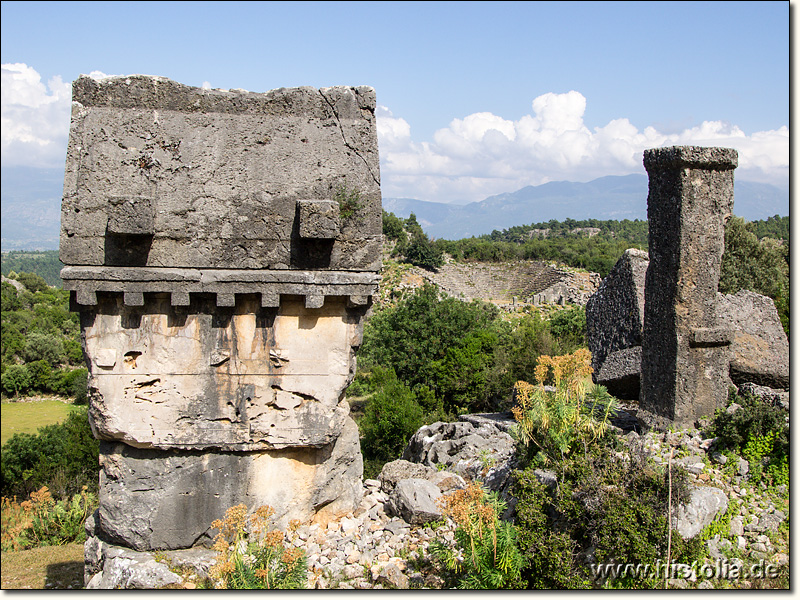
{"x": 477, "y": 446}
{"x": 704, "y": 505}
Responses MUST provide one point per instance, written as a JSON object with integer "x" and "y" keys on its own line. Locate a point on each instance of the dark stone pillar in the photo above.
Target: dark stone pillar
{"x": 684, "y": 356}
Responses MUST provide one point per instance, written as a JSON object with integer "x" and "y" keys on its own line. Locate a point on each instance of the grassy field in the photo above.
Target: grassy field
{"x": 50, "y": 567}
{"x": 26, "y": 416}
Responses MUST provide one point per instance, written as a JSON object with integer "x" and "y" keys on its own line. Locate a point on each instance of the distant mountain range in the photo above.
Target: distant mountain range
{"x": 31, "y": 206}
{"x": 612, "y": 197}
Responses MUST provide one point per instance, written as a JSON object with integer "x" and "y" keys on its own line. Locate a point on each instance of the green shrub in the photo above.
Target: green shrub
{"x": 62, "y": 457}
{"x": 392, "y": 416}
{"x": 757, "y": 431}
{"x": 16, "y": 380}
{"x": 614, "y": 510}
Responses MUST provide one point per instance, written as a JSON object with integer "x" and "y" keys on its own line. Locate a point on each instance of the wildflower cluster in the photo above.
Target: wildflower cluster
{"x": 487, "y": 556}
{"x": 41, "y": 521}
{"x": 252, "y": 554}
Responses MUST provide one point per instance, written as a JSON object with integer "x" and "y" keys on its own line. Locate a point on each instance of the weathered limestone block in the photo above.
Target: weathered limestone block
{"x": 760, "y": 349}
{"x": 621, "y": 372}
{"x": 690, "y": 198}
{"x": 243, "y": 378}
{"x": 167, "y": 499}
{"x": 167, "y": 175}
{"x": 615, "y": 312}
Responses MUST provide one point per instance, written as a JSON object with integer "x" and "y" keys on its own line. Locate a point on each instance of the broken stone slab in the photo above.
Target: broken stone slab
{"x": 704, "y": 505}
{"x": 615, "y": 312}
{"x": 760, "y": 349}
{"x": 620, "y": 373}
{"x": 415, "y": 501}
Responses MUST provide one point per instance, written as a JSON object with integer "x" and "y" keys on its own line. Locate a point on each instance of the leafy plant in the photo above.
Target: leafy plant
{"x": 251, "y": 555}
{"x": 487, "y": 556}
{"x": 757, "y": 431}
{"x": 349, "y": 200}
{"x": 45, "y": 522}
{"x": 551, "y": 424}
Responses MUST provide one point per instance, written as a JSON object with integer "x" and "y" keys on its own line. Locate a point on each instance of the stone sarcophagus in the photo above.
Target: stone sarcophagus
{"x": 222, "y": 248}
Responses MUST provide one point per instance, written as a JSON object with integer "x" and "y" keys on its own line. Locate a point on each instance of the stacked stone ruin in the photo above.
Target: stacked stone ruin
{"x": 658, "y": 329}
{"x": 222, "y": 248}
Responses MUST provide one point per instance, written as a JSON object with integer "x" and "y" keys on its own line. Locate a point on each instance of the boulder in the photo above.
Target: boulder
{"x": 760, "y": 348}
{"x": 476, "y": 446}
{"x": 704, "y": 505}
{"x": 415, "y": 501}
{"x": 126, "y": 569}
{"x": 615, "y": 312}
{"x": 398, "y": 470}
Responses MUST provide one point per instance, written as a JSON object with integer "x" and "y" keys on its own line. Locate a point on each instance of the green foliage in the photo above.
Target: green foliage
{"x": 40, "y": 340}
{"x": 486, "y": 554}
{"x": 761, "y": 266}
{"x": 62, "y": 457}
{"x": 350, "y": 202}
{"x": 569, "y": 326}
{"x": 393, "y": 228}
{"x": 421, "y": 252}
{"x": 411, "y": 336}
{"x": 757, "y": 431}
{"x": 32, "y": 282}
{"x": 43, "y": 347}
{"x": 45, "y": 264}
{"x": 615, "y": 509}
{"x": 16, "y": 380}
{"x": 391, "y": 418}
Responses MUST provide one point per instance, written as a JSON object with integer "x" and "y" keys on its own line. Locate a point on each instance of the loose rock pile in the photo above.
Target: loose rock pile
{"x": 383, "y": 544}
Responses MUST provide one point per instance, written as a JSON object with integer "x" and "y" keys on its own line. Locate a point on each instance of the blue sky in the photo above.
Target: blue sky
{"x": 475, "y": 98}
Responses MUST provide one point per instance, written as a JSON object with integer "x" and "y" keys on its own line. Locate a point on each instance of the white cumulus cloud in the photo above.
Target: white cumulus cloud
{"x": 483, "y": 154}
{"x": 35, "y": 117}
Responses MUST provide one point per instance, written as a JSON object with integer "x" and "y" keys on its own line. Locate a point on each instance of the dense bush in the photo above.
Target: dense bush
{"x": 602, "y": 509}
{"x": 391, "y": 418}
{"x": 40, "y": 341}
{"x": 761, "y": 266}
{"x": 62, "y": 457}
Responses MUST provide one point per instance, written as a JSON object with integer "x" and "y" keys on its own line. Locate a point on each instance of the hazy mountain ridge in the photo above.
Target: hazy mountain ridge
{"x": 31, "y": 206}
{"x": 611, "y": 197}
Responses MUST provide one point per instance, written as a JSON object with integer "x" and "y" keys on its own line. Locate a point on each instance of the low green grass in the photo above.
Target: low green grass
{"x": 50, "y": 567}
{"x": 27, "y": 417}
